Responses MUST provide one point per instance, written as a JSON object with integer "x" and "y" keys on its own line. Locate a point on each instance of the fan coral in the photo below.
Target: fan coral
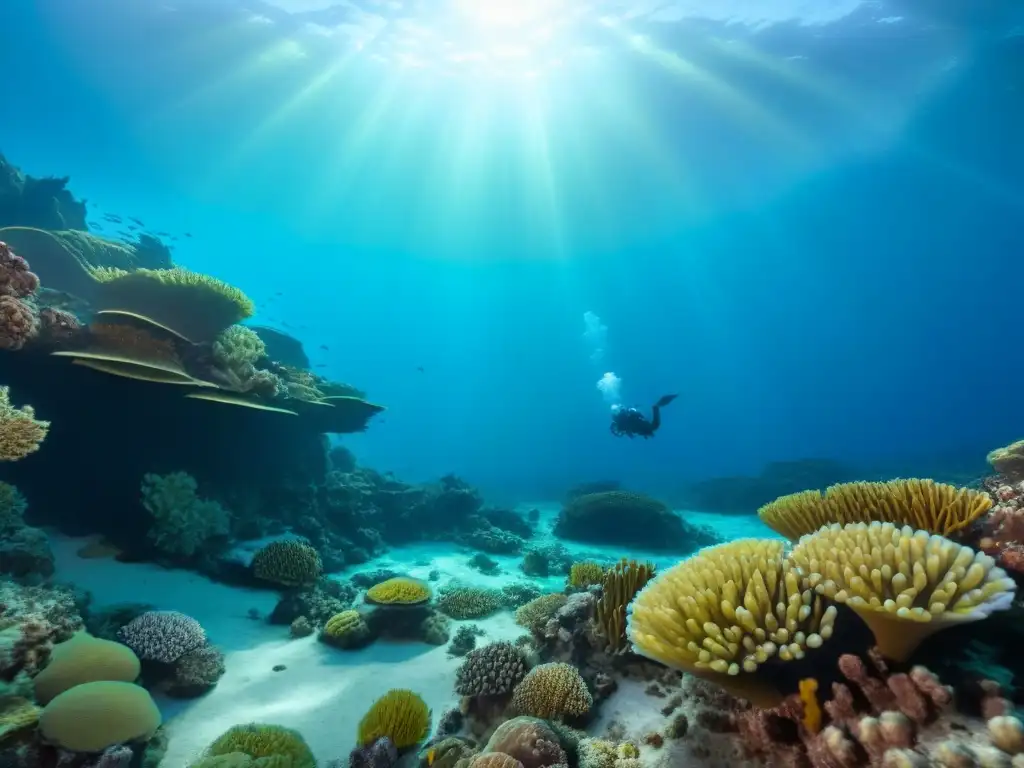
{"x": 904, "y": 584}
{"x": 163, "y": 636}
{"x": 726, "y": 610}
{"x": 20, "y": 431}
{"x": 1009, "y": 460}
{"x": 400, "y": 715}
{"x": 469, "y": 602}
{"x": 18, "y": 323}
{"x": 84, "y": 659}
{"x": 922, "y": 504}
{"x": 346, "y": 630}
{"x": 493, "y": 670}
{"x": 585, "y": 574}
{"x": 267, "y": 741}
{"x": 399, "y": 591}
{"x": 539, "y": 611}
{"x": 182, "y": 522}
{"x": 290, "y": 563}
{"x": 621, "y": 584}
{"x": 552, "y": 691}
{"x": 15, "y": 278}
{"x": 93, "y": 716}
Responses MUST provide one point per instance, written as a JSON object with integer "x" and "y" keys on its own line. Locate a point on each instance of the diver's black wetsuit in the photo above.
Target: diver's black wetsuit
{"x": 629, "y": 422}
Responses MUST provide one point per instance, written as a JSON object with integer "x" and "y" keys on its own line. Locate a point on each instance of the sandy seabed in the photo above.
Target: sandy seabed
{"x": 323, "y": 692}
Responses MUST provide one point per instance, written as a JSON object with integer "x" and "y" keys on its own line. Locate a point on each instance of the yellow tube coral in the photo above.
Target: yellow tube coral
{"x": 727, "y": 610}
{"x": 922, "y": 504}
{"x": 904, "y": 584}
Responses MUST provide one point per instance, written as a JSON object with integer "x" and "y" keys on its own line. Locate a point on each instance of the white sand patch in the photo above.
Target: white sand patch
{"x": 323, "y": 692}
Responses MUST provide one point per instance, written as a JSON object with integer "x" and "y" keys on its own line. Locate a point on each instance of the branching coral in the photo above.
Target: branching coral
{"x": 584, "y": 574}
{"x": 551, "y": 692}
{"x": 163, "y": 636}
{"x": 922, "y": 504}
{"x": 904, "y": 584}
{"x": 469, "y": 602}
{"x": 20, "y": 431}
{"x": 621, "y": 584}
{"x": 182, "y": 522}
{"x": 536, "y": 613}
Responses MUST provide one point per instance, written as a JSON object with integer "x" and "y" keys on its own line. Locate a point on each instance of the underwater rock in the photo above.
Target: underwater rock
{"x": 25, "y": 554}
{"x": 34, "y": 619}
{"x": 380, "y": 754}
{"x": 629, "y": 519}
{"x": 28, "y": 201}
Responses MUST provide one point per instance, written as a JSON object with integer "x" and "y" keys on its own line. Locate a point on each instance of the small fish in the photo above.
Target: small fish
{"x": 140, "y": 222}
{"x": 162, "y": 234}
{"x": 431, "y": 756}
{"x": 92, "y": 224}
{"x": 321, "y": 365}
{"x": 132, "y": 227}
{"x": 324, "y": 346}
{"x": 420, "y": 369}
{"x": 113, "y": 218}
{"x": 279, "y": 293}
{"x": 188, "y": 234}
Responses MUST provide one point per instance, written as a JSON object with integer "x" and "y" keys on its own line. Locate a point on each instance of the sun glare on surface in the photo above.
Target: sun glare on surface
{"x": 511, "y": 14}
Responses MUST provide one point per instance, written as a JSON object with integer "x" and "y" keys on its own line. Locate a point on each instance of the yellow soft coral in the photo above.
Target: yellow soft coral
{"x": 399, "y": 591}
{"x": 812, "y": 709}
{"x": 904, "y": 584}
{"x": 20, "y": 431}
{"x": 552, "y": 691}
{"x": 923, "y": 504}
{"x": 727, "y": 610}
{"x": 399, "y": 714}
{"x": 585, "y": 573}
{"x": 621, "y": 584}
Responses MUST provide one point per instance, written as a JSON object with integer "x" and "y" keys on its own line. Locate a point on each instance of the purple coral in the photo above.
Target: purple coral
{"x": 163, "y": 636}
{"x": 15, "y": 278}
{"x": 18, "y": 323}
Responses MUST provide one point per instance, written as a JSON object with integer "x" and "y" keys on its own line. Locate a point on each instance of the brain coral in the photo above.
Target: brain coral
{"x": 552, "y": 691}
{"x": 162, "y": 636}
{"x": 84, "y": 659}
{"x": 93, "y": 716}
{"x": 532, "y": 742}
{"x": 493, "y": 670}
{"x": 264, "y": 741}
{"x": 400, "y": 715}
{"x": 921, "y": 504}
{"x": 904, "y": 584}
{"x": 290, "y": 563}
{"x": 400, "y": 590}
{"x": 346, "y": 630}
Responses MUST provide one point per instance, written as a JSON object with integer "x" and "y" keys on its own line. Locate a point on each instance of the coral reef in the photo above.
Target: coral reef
{"x": 288, "y": 563}
{"x": 182, "y": 522}
{"x": 552, "y": 691}
{"x": 261, "y": 741}
{"x": 20, "y": 432}
{"x": 163, "y": 636}
{"x": 493, "y": 670}
{"x": 29, "y": 201}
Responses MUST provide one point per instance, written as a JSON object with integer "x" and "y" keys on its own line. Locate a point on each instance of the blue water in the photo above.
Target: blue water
{"x": 809, "y": 226}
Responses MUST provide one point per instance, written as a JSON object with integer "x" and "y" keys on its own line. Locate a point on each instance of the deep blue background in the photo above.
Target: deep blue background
{"x": 862, "y": 300}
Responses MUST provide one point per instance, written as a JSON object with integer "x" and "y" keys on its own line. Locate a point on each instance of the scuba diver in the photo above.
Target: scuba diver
{"x": 629, "y": 422}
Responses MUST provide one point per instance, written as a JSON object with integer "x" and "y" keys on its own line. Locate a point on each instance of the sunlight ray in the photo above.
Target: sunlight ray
{"x": 752, "y": 116}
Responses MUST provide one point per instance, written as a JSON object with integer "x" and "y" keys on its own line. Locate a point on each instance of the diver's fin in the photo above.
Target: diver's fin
{"x": 665, "y": 401}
